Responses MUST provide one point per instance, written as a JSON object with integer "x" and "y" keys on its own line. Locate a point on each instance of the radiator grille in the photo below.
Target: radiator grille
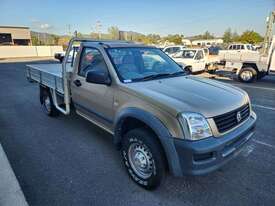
{"x": 231, "y": 119}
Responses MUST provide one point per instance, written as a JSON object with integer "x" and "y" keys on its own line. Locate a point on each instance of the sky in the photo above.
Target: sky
{"x": 187, "y": 17}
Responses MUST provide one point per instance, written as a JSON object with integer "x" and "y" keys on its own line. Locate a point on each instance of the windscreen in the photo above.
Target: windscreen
{"x": 136, "y": 63}
{"x": 188, "y": 54}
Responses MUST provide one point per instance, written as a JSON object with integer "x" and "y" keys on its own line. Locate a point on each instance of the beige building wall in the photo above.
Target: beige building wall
{"x": 28, "y": 51}
{"x": 17, "y": 33}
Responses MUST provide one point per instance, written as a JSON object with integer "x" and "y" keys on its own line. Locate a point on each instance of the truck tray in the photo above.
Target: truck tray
{"x": 49, "y": 75}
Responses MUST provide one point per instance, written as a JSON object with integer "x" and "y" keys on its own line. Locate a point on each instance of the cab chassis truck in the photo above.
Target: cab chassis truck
{"x": 161, "y": 119}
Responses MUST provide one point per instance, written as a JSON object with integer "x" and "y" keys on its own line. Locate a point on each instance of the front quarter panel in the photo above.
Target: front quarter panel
{"x": 124, "y": 100}
{"x": 164, "y": 125}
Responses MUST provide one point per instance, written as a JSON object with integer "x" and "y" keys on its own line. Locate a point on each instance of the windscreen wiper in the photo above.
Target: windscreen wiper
{"x": 178, "y": 73}
{"x": 152, "y": 76}
{"x": 157, "y": 76}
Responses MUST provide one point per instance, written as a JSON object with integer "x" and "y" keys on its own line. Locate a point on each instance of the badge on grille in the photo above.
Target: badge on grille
{"x": 239, "y": 116}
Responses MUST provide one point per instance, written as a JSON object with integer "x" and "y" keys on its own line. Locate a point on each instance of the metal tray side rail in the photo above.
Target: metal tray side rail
{"x": 50, "y": 80}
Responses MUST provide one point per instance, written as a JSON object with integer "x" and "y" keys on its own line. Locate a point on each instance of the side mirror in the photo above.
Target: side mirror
{"x": 98, "y": 77}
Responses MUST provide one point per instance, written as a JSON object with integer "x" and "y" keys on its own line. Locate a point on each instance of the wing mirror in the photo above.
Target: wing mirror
{"x": 98, "y": 77}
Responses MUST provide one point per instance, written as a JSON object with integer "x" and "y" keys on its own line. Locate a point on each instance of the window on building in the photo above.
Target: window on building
{"x": 5, "y": 39}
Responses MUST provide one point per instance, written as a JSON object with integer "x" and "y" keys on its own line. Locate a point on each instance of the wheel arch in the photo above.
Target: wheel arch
{"x": 188, "y": 68}
{"x": 250, "y": 64}
{"x": 148, "y": 120}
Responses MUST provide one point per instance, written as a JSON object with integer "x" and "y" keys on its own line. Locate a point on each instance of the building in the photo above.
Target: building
{"x": 207, "y": 42}
{"x": 14, "y": 35}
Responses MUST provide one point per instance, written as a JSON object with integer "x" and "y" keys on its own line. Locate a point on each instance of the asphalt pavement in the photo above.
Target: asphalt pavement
{"x": 69, "y": 161}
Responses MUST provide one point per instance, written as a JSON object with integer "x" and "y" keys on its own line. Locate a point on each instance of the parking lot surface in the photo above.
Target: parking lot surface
{"x": 68, "y": 161}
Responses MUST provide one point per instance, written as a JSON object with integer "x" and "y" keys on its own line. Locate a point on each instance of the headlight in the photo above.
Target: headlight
{"x": 195, "y": 126}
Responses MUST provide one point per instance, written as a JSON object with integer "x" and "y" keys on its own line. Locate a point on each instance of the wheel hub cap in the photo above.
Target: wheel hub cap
{"x": 246, "y": 75}
{"x": 140, "y": 159}
{"x": 47, "y": 103}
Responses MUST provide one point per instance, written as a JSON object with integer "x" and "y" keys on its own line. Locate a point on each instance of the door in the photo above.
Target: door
{"x": 94, "y": 101}
{"x": 199, "y": 62}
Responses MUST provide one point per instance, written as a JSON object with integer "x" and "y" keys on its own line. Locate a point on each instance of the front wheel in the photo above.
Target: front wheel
{"x": 247, "y": 74}
{"x": 188, "y": 70}
{"x": 143, "y": 158}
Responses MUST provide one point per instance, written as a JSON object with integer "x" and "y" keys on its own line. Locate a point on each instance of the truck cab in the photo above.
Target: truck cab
{"x": 241, "y": 48}
{"x": 192, "y": 59}
{"x": 171, "y": 50}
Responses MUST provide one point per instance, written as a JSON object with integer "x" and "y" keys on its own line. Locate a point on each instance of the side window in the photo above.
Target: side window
{"x": 242, "y": 47}
{"x": 238, "y": 47}
{"x": 176, "y": 49}
{"x": 199, "y": 55}
{"x": 168, "y": 50}
{"x": 230, "y": 47}
{"x": 91, "y": 59}
{"x": 234, "y": 47}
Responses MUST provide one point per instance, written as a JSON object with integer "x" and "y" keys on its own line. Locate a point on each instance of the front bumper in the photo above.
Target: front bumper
{"x": 203, "y": 156}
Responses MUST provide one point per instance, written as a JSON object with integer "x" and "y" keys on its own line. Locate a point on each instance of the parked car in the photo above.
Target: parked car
{"x": 194, "y": 59}
{"x": 214, "y": 50}
{"x": 249, "y": 66}
{"x": 170, "y": 50}
{"x": 160, "y": 118}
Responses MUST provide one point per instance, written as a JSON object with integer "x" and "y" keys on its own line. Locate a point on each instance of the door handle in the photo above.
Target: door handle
{"x": 77, "y": 82}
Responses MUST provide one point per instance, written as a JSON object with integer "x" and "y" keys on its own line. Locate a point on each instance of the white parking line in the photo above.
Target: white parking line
{"x": 254, "y": 87}
{"x": 263, "y": 143}
{"x": 264, "y": 107}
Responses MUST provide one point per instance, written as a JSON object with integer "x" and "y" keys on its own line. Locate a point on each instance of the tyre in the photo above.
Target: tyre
{"x": 143, "y": 158}
{"x": 48, "y": 105}
{"x": 212, "y": 71}
{"x": 247, "y": 74}
{"x": 188, "y": 69}
{"x": 61, "y": 59}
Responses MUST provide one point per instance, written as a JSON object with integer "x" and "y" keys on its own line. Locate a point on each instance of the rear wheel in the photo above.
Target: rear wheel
{"x": 247, "y": 74}
{"x": 143, "y": 158}
{"x": 47, "y": 104}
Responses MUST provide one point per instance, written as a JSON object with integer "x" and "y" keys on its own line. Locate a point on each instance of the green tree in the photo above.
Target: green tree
{"x": 207, "y": 35}
{"x": 55, "y": 39}
{"x": 114, "y": 32}
{"x": 79, "y": 35}
{"x": 235, "y": 37}
{"x": 250, "y": 37}
{"x": 94, "y": 35}
{"x": 63, "y": 41}
{"x": 227, "y": 36}
{"x": 35, "y": 40}
{"x": 153, "y": 38}
{"x": 176, "y": 39}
